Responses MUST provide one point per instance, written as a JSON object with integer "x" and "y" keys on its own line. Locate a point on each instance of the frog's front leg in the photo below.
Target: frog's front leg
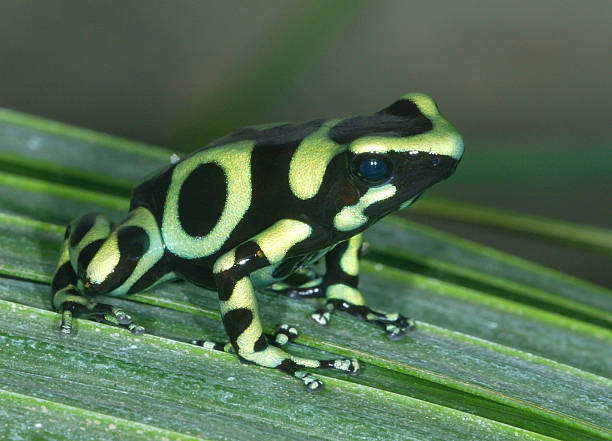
{"x": 239, "y": 309}
{"x": 339, "y": 285}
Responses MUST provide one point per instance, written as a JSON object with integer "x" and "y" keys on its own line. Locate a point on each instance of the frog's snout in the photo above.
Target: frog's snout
{"x": 453, "y": 166}
{"x": 445, "y": 166}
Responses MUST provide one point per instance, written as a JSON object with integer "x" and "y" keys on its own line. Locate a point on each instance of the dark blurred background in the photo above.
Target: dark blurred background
{"x": 526, "y": 82}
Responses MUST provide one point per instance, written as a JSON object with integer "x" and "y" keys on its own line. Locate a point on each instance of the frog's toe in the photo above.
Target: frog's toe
{"x": 394, "y": 332}
{"x": 294, "y": 366}
{"x": 285, "y": 334}
{"x": 136, "y": 329}
{"x": 122, "y": 317}
{"x": 350, "y": 366}
{"x": 66, "y": 324}
{"x": 321, "y": 317}
{"x": 110, "y": 315}
{"x": 397, "y": 328}
{"x": 311, "y": 383}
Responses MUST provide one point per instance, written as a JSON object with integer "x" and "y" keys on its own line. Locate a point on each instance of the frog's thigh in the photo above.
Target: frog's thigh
{"x": 238, "y": 304}
{"x": 83, "y": 237}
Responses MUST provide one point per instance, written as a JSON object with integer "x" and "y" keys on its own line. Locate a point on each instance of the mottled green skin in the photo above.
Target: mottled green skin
{"x": 259, "y": 205}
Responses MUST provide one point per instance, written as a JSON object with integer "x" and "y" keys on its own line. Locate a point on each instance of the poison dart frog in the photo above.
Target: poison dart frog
{"x": 252, "y": 208}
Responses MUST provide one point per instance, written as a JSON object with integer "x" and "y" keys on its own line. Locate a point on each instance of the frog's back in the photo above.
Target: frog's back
{"x": 222, "y": 194}
{"x": 151, "y": 192}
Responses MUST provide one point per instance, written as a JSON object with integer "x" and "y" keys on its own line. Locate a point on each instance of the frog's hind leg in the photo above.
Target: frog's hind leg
{"x": 83, "y": 238}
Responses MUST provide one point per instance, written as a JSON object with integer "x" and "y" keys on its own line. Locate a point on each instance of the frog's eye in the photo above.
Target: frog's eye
{"x": 373, "y": 169}
{"x": 435, "y": 161}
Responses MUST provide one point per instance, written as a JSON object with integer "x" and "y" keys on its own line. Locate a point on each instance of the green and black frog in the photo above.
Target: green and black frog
{"x": 249, "y": 210}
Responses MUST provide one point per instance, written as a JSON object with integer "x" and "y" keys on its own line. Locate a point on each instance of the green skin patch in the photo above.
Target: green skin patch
{"x": 255, "y": 208}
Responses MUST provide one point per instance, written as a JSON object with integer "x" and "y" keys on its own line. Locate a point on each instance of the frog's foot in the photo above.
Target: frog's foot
{"x": 111, "y": 315}
{"x": 287, "y": 333}
{"x": 274, "y": 357}
{"x": 395, "y": 325}
{"x": 71, "y": 304}
{"x": 284, "y": 334}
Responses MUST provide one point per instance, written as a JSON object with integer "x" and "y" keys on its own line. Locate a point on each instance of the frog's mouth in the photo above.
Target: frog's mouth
{"x": 410, "y": 201}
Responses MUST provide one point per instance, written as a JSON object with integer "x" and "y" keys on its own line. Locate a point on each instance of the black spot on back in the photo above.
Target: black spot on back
{"x": 201, "y": 199}
{"x": 236, "y": 322}
{"x": 83, "y": 225}
{"x": 133, "y": 242}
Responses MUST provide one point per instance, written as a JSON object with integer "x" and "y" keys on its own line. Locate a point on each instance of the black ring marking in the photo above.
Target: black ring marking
{"x": 226, "y": 281}
{"x": 236, "y": 322}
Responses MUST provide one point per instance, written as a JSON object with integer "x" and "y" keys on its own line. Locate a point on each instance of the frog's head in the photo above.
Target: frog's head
{"x": 397, "y": 153}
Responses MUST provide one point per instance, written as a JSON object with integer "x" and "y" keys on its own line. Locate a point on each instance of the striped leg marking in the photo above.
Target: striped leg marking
{"x": 284, "y": 334}
{"x": 240, "y": 312}
{"x": 82, "y": 240}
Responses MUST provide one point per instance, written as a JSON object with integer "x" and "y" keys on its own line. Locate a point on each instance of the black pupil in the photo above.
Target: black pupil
{"x": 373, "y": 169}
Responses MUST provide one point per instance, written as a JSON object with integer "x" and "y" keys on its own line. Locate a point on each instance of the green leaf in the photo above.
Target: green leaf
{"x": 503, "y": 349}
{"x": 599, "y": 239}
